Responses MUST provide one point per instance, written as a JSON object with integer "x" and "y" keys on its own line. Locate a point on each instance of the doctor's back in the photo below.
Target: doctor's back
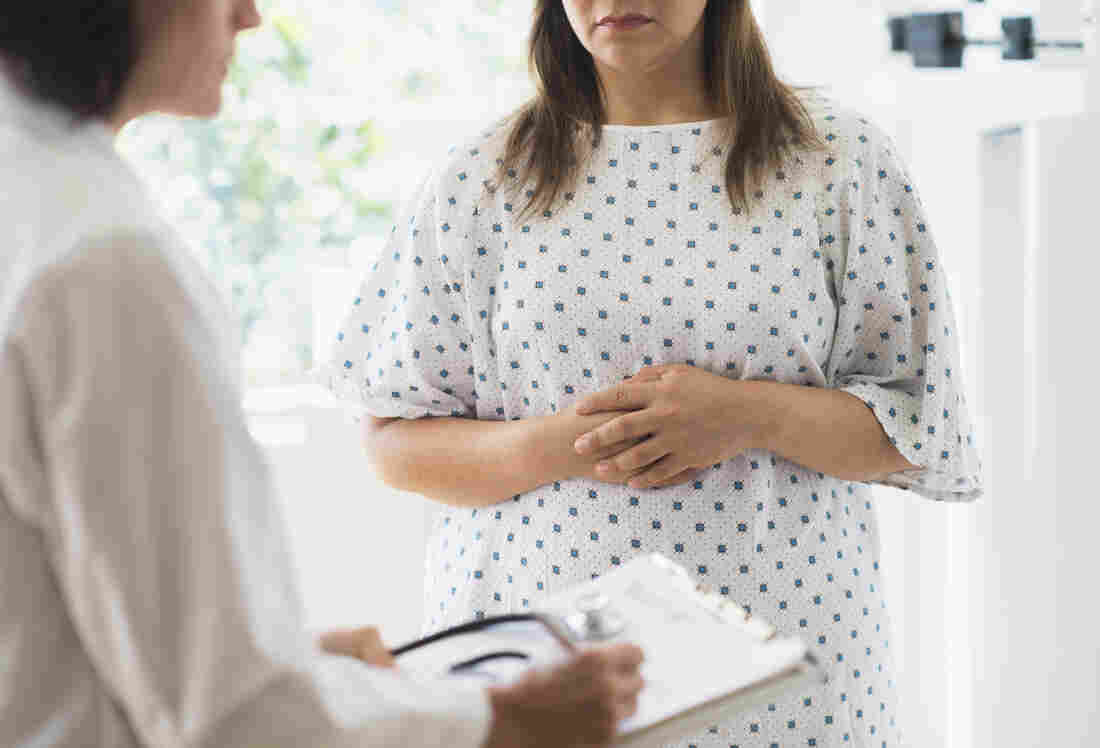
{"x": 80, "y": 239}
{"x": 148, "y": 597}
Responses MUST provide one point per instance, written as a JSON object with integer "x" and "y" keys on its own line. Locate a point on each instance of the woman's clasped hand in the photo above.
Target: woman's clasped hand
{"x": 674, "y": 422}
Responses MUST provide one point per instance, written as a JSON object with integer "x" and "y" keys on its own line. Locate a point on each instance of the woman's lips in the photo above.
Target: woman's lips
{"x": 624, "y": 23}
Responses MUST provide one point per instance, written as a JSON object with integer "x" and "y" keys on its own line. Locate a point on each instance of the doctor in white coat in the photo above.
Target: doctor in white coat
{"x": 146, "y": 593}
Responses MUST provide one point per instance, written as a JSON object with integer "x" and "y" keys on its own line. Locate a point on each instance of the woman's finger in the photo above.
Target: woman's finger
{"x": 650, "y": 373}
{"x": 627, "y": 427}
{"x": 635, "y": 458}
{"x": 661, "y": 471}
{"x": 628, "y": 395}
{"x": 686, "y": 476}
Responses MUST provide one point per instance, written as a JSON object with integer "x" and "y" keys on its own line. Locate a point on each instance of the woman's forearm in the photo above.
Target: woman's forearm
{"x": 473, "y": 463}
{"x": 828, "y": 431}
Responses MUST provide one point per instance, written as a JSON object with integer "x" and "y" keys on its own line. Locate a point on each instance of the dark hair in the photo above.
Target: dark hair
{"x": 76, "y": 54}
{"x": 767, "y": 120}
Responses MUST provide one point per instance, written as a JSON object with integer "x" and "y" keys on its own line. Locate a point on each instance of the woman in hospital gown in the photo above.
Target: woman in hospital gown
{"x": 833, "y": 281}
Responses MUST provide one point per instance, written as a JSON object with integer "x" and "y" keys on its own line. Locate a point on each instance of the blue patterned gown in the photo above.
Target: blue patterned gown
{"x": 833, "y": 280}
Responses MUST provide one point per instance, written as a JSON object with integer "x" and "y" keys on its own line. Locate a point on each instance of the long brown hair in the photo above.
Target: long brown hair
{"x": 766, "y": 120}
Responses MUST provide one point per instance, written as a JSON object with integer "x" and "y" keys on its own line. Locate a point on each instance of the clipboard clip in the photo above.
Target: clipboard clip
{"x": 593, "y": 619}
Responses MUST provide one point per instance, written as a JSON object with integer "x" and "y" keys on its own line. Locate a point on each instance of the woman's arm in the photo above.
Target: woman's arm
{"x": 829, "y": 431}
{"x": 472, "y": 463}
{"x": 697, "y": 418}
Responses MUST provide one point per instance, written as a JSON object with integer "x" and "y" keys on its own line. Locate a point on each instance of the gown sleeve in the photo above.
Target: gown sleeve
{"x": 405, "y": 347}
{"x": 896, "y": 341}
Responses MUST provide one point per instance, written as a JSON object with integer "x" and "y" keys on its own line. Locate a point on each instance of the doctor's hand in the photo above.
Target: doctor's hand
{"x": 688, "y": 419}
{"x": 576, "y": 705}
{"x": 363, "y": 644}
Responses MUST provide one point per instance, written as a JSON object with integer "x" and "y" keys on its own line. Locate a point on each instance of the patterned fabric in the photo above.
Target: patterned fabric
{"x": 832, "y": 280}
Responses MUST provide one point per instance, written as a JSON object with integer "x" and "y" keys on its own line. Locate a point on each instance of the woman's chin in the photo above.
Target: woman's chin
{"x": 205, "y": 108}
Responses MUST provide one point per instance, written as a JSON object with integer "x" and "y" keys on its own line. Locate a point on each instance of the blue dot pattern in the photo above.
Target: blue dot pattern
{"x": 832, "y": 281}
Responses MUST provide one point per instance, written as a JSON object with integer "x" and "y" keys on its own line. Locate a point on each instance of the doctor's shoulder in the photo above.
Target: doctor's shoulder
{"x": 75, "y": 197}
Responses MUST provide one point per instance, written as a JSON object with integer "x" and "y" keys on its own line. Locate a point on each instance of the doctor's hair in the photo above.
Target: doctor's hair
{"x": 73, "y": 54}
{"x": 765, "y": 118}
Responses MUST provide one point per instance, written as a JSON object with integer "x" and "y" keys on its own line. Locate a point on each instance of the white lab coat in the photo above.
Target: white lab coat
{"x": 147, "y": 595}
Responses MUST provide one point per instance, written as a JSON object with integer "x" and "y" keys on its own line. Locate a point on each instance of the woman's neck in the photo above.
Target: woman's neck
{"x": 643, "y": 103}
{"x": 669, "y": 95}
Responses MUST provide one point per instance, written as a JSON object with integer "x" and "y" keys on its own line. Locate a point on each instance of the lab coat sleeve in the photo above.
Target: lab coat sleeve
{"x": 166, "y": 541}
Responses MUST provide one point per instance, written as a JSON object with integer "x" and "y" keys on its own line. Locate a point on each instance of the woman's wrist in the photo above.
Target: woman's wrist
{"x": 548, "y": 442}
{"x": 763, "y": 407}
{"x": 550, "y": 445}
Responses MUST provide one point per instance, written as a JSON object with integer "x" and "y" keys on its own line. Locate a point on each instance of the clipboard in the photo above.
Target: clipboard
{"x": 707, "y": 660}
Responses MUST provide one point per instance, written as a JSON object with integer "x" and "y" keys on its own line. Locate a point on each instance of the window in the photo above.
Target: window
{"x": 333, "y": 113}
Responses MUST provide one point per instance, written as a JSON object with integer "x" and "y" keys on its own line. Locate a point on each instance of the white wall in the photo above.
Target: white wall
{"x": 358, "y": 546}
{"x": 994, "y": 603}
{"x": 1041, "y": 651}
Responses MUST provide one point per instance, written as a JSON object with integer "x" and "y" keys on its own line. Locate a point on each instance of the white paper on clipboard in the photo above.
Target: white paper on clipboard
{"x": 706, "y": 660}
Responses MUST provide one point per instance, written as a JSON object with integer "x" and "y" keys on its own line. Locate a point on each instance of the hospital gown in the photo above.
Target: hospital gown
{"x": 832, "y": 279}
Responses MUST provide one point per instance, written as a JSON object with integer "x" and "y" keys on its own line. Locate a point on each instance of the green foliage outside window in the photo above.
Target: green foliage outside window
{"x": 327, "y": 121}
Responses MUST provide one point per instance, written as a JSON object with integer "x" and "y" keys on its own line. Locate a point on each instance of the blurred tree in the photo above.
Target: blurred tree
{"x": 287, "y": 177}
